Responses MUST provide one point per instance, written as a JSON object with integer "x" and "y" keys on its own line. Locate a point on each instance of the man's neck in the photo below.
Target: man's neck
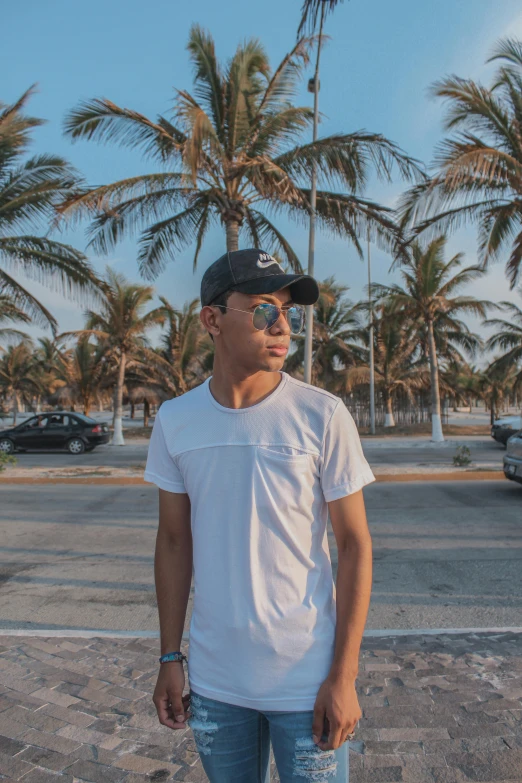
{"x": 242, "y": 390}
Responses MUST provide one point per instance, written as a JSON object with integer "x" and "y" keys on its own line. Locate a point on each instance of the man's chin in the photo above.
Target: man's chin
{"x": 274, "y": 364}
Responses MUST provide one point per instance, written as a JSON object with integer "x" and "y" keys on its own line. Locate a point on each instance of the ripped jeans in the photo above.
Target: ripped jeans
{"x": 234, "y": 745}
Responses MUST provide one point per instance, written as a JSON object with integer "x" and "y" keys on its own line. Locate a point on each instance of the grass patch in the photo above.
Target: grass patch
{"x": 5, "y": 460}
{"x": 137, "y": 433}
{"x": 425, "y": 429}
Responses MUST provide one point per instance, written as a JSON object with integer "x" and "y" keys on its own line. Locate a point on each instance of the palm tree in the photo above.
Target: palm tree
{"x": 478, "y": 170}
{"x": 231, "y": 151}
{"x": 337, "y": 328}
{"x": 17, "y": 378}
{"x": 508, "y": 338}
{"x": 399, "y": 366}
{"x": 9, "y": 311}
{"x": 121, "y": 325}
{"x": 29, "y": 191}
{"x": 427, "y": 299}
{"x": 50, "y": 364}
{"x": 87, "y": 372}
{"x": 184, "y": 346}
{"x": 462, "y": 381}
{"x": 496, "y": 383}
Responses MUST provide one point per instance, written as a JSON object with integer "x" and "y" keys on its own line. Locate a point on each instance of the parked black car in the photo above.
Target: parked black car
{"x": 513, "y": 458}
{"x": 57, "y": 430}
{"x": 503, "y": 429}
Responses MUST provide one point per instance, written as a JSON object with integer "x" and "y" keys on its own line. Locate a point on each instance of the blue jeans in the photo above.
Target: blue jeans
{"x": 234, "y": 744}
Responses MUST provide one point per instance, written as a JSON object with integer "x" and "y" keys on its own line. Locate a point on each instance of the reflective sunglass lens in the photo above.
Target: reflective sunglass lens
{"x": 266, "y": 315}
{"x": 295, "y": 319}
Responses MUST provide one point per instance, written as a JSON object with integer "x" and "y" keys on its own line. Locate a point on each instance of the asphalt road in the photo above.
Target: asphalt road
{"x": 380, "y": 453}
{"x": 446, "y": 554}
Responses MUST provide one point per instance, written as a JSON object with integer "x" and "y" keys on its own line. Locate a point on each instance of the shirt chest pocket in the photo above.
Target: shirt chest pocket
{"x": 284, "y": 481}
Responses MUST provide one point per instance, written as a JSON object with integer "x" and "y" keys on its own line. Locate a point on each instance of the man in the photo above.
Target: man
{"x": 248, "y": 465}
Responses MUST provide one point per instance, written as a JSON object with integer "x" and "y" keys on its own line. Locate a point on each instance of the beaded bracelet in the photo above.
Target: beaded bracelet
{"x": 172, "y": 656}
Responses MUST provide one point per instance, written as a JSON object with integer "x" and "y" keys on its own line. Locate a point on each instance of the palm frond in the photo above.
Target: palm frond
{"x": 356, "y": 218}
{"x": 264, "y": 234}
{"x": 102, "y": 120}
{"x": 246, "y": 80}
{"x": 26, "y": 301}
{"x": 311, "y": 12}
{"x": 509, "y": 49}
{"x": 347, "y": 159}
{"x": 164, "y": 240}
{"x": 15, "y": 128}
{"x": 474, "y": 106}
{"x": 30, "y": 192}
{"x": 208, "y": 80}
{"x": 283, "y": 82}
{"x": 46, "y": 261}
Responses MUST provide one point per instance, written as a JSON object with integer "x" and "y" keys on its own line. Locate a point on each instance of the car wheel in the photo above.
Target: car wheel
{"x": 76, "y": 446}
{"x": 6, "y": 446}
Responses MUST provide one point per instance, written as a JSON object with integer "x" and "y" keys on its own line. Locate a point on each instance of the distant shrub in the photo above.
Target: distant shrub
{"x": 462, "y": 457}
{"x": 5, "y": 460}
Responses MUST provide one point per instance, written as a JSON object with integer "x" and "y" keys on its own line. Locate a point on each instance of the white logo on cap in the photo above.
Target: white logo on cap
{"x": 265, "y": 260}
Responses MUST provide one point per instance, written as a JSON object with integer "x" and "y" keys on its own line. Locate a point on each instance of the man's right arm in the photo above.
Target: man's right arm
{"x": 173, "y": 567}
{"x": 173, "y": 577}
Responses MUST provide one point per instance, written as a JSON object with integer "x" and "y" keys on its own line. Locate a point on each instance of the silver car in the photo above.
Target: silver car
{"x": 513, "y": 458}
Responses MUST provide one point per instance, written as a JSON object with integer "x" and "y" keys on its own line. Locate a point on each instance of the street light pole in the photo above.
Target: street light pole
{"x": 372, "y": 361}
{"x": 313, "y": 202}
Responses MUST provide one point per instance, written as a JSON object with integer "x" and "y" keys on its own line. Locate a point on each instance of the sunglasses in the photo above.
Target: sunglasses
{"x": 266, "y": 315}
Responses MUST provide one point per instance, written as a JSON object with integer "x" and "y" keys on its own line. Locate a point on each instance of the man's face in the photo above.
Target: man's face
{"x": 241, "y": 343}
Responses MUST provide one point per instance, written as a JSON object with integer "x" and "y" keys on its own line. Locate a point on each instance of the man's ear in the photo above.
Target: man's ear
{"x": 209, "y": 318}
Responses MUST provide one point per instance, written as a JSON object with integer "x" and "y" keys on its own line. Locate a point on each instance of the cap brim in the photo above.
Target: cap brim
{"x": 303, "y": 288}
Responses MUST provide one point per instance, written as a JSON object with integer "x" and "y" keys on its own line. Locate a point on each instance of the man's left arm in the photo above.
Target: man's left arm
{"x": 337, "y": 707}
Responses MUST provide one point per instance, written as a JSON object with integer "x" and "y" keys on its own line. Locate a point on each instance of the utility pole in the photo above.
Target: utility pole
{"x": 372, "y": 361}
{"x": 313, "y": 86}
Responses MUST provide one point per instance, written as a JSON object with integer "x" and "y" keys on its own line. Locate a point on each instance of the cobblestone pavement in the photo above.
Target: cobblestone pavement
{"x": 436, "y": 709}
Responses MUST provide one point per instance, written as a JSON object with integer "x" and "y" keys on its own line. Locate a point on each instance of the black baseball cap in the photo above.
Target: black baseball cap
{"x": 253, "y": 271}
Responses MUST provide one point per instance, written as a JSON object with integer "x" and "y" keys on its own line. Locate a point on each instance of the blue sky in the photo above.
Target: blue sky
{"x": 376, "y": 70}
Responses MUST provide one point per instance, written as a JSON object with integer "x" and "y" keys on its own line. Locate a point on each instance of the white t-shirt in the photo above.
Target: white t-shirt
{"x": 259, "y": 478}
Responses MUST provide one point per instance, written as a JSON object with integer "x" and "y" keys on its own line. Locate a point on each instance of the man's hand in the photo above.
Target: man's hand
{"x": 172, "y": 707}
{"x": 336, "y": 712}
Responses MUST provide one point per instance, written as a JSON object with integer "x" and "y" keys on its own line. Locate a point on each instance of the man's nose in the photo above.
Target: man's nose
{"x": 281, "y": 326}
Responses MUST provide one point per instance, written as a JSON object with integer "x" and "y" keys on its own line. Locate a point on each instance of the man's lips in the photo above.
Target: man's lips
{"x": 279, "y": 350}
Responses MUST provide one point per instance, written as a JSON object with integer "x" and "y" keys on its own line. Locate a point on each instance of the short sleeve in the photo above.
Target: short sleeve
{"x": 344, "y": 468}
{"x": 161, "y": 468}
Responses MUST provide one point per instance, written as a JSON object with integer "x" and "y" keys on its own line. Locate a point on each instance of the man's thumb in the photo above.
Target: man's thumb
{"x": 178, "y": 709}
{"x": 318, "y": 724}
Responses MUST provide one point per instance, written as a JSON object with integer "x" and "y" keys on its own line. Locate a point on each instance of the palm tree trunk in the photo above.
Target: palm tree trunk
{"x": 232, "y": 227}
{"x": 117, "y": 438}
{"x": 436, "y": 425}
{"x": 389, "y": 419}
{"x": 16, "y": 405}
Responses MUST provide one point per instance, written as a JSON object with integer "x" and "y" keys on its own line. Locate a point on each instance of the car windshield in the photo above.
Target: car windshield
{"x": 33, "y": 422}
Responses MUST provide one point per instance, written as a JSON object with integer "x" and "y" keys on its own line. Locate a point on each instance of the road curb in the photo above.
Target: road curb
{"x": 484, "y": 475}
{"x": 92, "y": 633}
{"x": 75, "y": 480}
{"x": 478, "y": 475}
